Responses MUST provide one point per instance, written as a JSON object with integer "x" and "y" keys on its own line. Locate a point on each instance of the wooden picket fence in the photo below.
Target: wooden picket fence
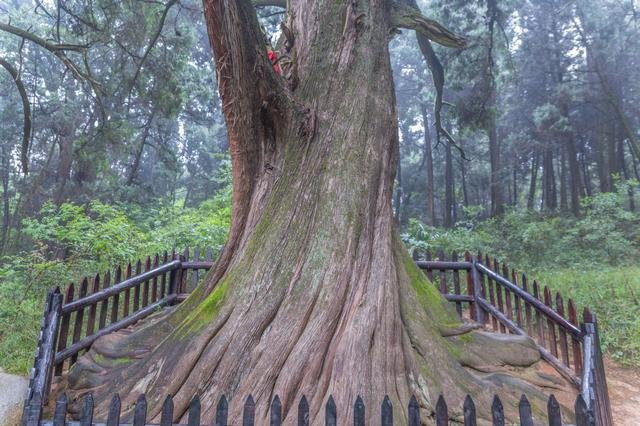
{"x": 479, "y": 288}
{"x": 275, "y": 412}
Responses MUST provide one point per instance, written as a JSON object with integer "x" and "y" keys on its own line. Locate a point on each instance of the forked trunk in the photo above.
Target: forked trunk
{"x": 314, "y": 293}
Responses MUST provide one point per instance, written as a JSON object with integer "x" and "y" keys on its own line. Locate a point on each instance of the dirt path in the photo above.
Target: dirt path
{"x": 624, "y": 393}
{"x": 12, "y": 390}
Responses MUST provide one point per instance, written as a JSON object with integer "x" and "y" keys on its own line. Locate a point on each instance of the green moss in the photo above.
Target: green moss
{"x": 205, "y": 312}
{"x": 428, "y": 296}
{"x": 101, "y": 359}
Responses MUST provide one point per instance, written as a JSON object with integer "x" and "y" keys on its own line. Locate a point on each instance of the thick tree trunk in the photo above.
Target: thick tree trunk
{"x": 549, "y": 196}
{"x": 314, "y": 293}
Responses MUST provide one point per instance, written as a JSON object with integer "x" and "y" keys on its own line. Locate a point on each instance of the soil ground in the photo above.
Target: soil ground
{"x": 624, "y": 393}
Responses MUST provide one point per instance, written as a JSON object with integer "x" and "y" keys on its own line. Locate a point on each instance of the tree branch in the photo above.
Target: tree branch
{"x": 406, "y": 14}
{"x": 26, "y": 108}
{"x": 58, "y": 49}
{"x": 152, "y": 43}
{"x": 276, "y": 3}
{"x": 52, "y": 47}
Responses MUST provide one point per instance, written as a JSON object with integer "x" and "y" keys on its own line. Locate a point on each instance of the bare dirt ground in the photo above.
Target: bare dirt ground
{"x": 624, "y": 393}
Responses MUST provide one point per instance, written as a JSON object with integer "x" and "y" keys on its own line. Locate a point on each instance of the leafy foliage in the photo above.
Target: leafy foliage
{"x": 71, "y": 241}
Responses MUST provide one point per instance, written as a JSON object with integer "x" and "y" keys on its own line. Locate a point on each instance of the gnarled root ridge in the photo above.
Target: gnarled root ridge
{"x": 381, "y": 336}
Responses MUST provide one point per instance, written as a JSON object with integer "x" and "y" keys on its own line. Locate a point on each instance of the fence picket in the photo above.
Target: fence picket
{"x": 64, "y": 329}
{"x": 115, "y": 301}
{"x": 429, "y": 271}
{"x": 222, "y": 410}
{"x": 303, "y": 412}
{"x": 166, "y": 416}
{"x": 140, "y": 412}
{"x": 456, "y": 283}
{"x": 414, "y": 412}
{"x": 249, "y": 412}
{"x": 136, "y": 289}
{"x": 524, "y": 408}
{"x": 195, "y": 272}
{"x": 507, "y": 295}
{"x": 60, "y": 414}
{"x": 470, "y": 286}
{"x": 104, "y": 305}
{"x": 496, "y": 269}
{"x": 386, "y": 412}
{"x": 442, "y": 413}
{"x": 330, "y": 415}
{"x": 163, "y": 278}
{"x": 575, "y": 343}
{"x": 276, "y": 405}
{"x": 516, "y": 300}
{"x": 113, "y": 416}
{"x": 551, "y": 329}
{"x": 469, "y": 409}
{"x": 194, "y": 412}
{"x": 444, "y": 288}
{"x": 539, "y": 324}
{"x": 154, "y": 285}
{"x": 527, "y": 307}
{"x": 584, "y": 416}
{"x": 77, "y": 326}
{"x": 358, "y": 412}
{"x": 127, "y": 293}
{"x": 91, "y": 320}
{"x": 497, "y": 412}
{"x": 492, "y": 299}
{"x": 553, "y": 411}
{"x": 182, "y": 288}
{"x": 564, "y": 345}
{"x": 86, "y": 416}
{"x": 145, "y": 287}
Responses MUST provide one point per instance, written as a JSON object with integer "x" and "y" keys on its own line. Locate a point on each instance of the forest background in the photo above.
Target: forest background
{"x": 124, "y": 152}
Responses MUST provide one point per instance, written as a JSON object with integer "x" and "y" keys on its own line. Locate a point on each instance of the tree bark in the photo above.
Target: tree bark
{"x": 428, "y": 155}
{"x": 533, "y": 182}
{"x": 549, "y": 196}
{"x": 449, "y": 189}
{"x": 314, "y": 293}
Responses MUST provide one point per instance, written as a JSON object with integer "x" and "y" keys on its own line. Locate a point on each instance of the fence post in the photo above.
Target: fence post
{"x": 477, "y": 292}
{"x": 594, "y": 382}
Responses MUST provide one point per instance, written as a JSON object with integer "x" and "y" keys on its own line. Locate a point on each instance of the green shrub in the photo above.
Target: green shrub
{"x": 72, "y": 241}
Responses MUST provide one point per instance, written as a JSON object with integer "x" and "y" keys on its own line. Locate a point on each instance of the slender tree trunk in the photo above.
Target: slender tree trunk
{"x": 532, "y": 183}
{"x": 6, "y": 198}
{"x": 550, "y": 198}
{"x": 463, "y": 177}
{"x": 449, "y": 184}
{"x": 586, "y": 174}
{"x": 564, "y": 205}
{"x": 497, "y": 197}
{"x": 428, "y": 155}
{"x": 314, "y": 292}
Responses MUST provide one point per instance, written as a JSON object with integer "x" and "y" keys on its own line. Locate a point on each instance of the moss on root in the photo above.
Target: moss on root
{"x": 205, "y": 312}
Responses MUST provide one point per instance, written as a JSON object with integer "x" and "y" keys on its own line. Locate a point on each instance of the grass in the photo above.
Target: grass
{"x": 613, "y": 294}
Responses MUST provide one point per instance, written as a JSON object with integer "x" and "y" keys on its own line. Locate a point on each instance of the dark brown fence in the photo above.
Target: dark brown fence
{"x": 480, "y": 288}
{"x": 584, "y": 417}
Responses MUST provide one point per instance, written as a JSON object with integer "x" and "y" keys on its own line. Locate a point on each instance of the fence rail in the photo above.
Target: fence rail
{"x": 477, "y": 286}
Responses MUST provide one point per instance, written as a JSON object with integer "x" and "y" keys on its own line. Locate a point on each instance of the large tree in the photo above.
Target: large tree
{"x": 314, "y": 292}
